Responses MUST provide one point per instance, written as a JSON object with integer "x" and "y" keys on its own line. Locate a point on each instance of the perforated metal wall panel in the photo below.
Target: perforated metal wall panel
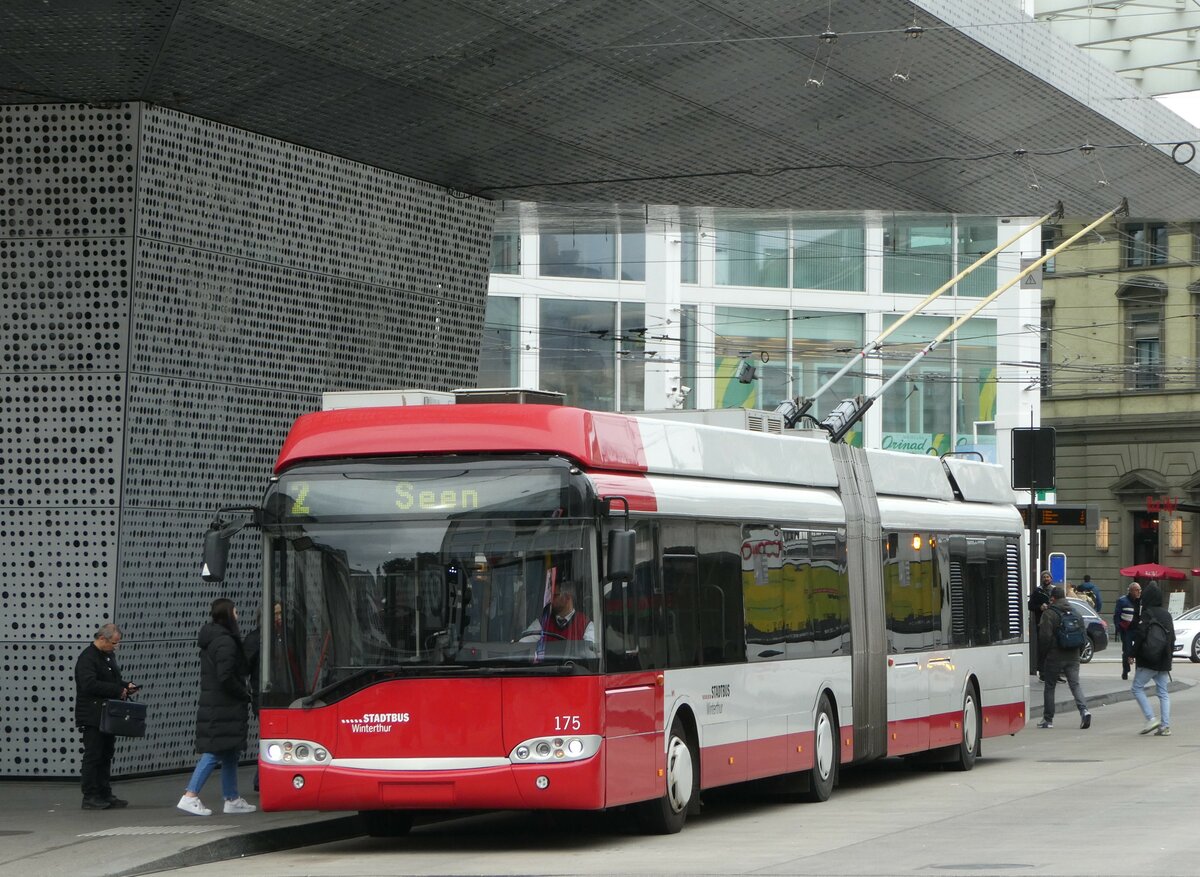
{"x": 175, "y": 293}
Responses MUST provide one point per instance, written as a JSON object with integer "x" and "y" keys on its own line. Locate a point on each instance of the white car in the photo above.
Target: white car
{"x": 1187, "y": 636}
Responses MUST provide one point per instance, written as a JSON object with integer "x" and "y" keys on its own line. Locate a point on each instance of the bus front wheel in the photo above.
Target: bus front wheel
{"x": 667, "y": 814}
{"x": 823, "y": 776}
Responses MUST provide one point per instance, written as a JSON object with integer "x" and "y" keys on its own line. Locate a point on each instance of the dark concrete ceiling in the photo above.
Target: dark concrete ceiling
{"x": 691, "y": 102}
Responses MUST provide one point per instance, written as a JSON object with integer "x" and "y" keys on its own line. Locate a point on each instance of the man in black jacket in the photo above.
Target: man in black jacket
{"x": 1038, "y": 601}
{"x": 97, "y": 679}
{"x": 1058, "y": 660}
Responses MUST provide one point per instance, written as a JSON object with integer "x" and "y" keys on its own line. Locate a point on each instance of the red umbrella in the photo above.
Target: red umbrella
{"x": 1153, "y": 571}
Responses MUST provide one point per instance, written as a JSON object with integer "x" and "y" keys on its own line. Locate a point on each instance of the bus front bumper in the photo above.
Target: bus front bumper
{"x": 548, "y": 786}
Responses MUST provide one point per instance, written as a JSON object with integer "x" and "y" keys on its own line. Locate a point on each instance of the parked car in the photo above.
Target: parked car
{"x": 1187, "y": 636}
{"x": 1097, "y": 629}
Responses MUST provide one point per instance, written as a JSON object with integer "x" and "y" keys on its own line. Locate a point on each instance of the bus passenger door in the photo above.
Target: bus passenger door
{"x": 633, "y": 718}
{"x": 633, "y": 696}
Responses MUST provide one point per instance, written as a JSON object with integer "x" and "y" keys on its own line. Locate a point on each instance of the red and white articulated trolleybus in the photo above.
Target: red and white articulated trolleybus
{"x": 541, "y": 607}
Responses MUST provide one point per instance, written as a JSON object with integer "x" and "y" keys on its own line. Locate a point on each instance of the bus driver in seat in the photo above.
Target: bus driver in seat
{"x": 561, "y": 620}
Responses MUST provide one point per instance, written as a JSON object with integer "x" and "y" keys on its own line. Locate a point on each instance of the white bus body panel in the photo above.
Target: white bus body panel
{"x": 715, "y": 452}
{"x": 707, "y": 498}
{"x": 896, "y": 474}
{"x": 755, "y": 711}
{"x": 923, "y": 516}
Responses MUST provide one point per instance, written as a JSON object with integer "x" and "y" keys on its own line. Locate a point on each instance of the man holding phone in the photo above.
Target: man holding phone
{"x": 97, "y": 679}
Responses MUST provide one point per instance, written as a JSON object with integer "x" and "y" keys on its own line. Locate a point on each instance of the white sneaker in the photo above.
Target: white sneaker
{"x": 193, "y": 806}
{"x": 239, "y": 805}
{"x": 1151, "y": 724}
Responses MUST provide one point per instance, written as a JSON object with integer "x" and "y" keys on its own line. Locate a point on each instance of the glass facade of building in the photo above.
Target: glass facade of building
{"x": 921, "y": 254}
{"x": 807, "y": 300}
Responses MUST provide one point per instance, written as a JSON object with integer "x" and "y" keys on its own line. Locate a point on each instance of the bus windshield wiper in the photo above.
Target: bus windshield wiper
{"x": 375, "y": 673}
{"x": 544, "y": 668}
{"x": 362, "y": 673}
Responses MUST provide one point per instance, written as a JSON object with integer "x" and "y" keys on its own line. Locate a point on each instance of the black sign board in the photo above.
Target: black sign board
{"x": 1064, "y": 516}
{"x": 1033, "y": 458}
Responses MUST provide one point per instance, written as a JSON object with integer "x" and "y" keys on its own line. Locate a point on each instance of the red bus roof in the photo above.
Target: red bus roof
{"x": 594, "y": 439}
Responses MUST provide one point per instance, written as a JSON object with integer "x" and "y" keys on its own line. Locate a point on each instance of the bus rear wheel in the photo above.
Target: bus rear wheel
{"x": 823, "y": 775}
{"x": 386, "y": 823}
{"x": 968, "y": 747}
{"x": 667, "y": 814}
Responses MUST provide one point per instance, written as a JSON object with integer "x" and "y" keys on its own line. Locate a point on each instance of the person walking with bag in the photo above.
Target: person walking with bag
{"x": 1061, "y": 635}
{"x": 1153, "y": 644}
{"x": 97, "y": 679}
{"x": 1087, "y": 588}
{"x": 222, "y": 718}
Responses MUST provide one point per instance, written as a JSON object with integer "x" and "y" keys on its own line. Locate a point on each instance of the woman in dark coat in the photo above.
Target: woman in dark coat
{"x": 222, "y": 720}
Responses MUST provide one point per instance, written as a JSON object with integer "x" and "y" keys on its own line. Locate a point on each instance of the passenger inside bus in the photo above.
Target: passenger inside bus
{"x": 562, "y": 620}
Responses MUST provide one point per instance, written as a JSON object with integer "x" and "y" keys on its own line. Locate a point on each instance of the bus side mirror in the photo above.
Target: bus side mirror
{"x": 621, "y": 545}
{"x": 216, "y": 543}
{"x": 216, "y": 553}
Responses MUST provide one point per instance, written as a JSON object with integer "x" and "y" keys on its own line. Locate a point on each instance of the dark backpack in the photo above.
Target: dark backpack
{"x": 1155, "y": 641}
{"x": 1071, "y": 632}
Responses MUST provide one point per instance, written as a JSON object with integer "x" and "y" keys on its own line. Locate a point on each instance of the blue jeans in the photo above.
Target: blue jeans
{"x": 207, "y": 764}
{"x": 1141, "y": 676}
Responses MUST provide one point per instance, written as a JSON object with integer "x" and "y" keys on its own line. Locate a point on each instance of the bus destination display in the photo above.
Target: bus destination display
{"x": 420, "y": 495}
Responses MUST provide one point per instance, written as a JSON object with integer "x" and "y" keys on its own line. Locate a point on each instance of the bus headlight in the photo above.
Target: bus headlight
{"x": 544, "y": 749}
{"x": 294, "y": 752}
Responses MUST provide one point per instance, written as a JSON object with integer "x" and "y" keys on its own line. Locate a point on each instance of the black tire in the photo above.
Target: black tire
{"x": 826, "y": 736}
{"x": 386, "y": 823}
{"x": 666, "y": 815}
{"x": 968, "y": 747}
{"x": 1087, "y": 652}
{"x": 1194, "y": 654}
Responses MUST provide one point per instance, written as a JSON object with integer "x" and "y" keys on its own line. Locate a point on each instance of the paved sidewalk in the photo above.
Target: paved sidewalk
{"x": 1102, "y": 685}
{"x": 44, "y": 833}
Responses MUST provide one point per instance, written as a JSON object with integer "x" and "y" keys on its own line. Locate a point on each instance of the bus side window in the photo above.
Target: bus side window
{"x": 620, "y": 630}
{"x": 830, "y": 594}
{"x": 648, "y": 593}
{"x": 985, "y": 598}
{"x": 956, "y": 556}
{"x": 633, "y": 637}
{"x": 722, "y": 625}
{"x": 680, "y": 579}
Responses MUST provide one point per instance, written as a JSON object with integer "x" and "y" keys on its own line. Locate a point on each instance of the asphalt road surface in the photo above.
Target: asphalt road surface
{"x": 1060, "y": 802}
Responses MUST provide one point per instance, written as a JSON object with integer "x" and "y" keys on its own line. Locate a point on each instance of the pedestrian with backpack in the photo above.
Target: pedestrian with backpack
{"x": 1088, "y": 590}
{"x": 1061, "y": 635}
{"x": 1152, "y": 648}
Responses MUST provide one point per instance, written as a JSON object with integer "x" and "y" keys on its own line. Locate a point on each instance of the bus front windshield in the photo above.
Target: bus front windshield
{"x": 381, "y": 572}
